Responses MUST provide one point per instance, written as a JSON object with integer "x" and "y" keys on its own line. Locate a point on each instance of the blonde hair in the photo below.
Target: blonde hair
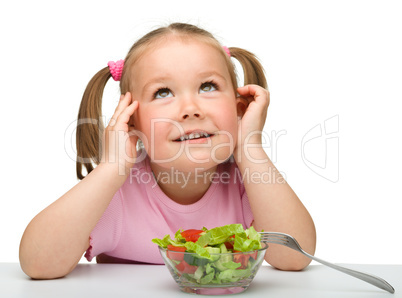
{"x": 90, "y": 127}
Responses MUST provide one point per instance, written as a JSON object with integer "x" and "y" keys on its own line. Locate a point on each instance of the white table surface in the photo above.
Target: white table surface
{"x": 110, "y": 280}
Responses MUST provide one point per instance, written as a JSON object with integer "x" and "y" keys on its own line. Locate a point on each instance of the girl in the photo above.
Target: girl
{"x": 201, "y": 162}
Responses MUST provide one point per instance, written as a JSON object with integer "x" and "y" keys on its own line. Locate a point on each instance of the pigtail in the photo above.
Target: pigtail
{"x": 252, "y": 68}
{"x": 90, "y": 125}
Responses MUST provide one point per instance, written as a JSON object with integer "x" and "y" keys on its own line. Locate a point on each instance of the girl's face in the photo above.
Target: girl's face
{"x": 187, "y": 105}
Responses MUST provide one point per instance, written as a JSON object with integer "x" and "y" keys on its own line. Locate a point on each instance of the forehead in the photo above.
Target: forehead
{"x": 180, "y": 54}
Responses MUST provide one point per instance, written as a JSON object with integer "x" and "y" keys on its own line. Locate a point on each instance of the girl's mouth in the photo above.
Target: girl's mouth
{"x": 193, "y": 136}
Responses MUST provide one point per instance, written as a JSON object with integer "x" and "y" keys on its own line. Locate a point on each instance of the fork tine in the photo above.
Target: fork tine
{"x": 270, "y": 237}
{"x": 283, "y": 241}
{"x": 274, "y": 236}
{"x": 274, "y": 242}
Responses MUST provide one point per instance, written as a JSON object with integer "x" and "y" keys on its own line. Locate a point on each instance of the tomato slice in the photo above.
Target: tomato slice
{"x": 229, "y": 245}
{"x": 177, "y": 256}
{"x": 184, "y": 267}
{"x": 193, "y": 238}
{"x": 191, "y": 234}
{"x": 242, "y": 259}
{"x": 254, "y": 255}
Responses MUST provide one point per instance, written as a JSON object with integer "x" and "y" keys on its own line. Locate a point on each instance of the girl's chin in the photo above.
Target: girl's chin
{"x": 191, "y": 163}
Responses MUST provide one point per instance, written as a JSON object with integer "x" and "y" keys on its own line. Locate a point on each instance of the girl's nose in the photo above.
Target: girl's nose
{"x": 191, "y": 109}
{"x": 196, "y": 115}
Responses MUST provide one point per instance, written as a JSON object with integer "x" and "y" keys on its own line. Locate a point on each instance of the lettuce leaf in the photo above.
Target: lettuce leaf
{"x": 253, "y": 234}
{"x": 199, "y": 250}
{"x": 243, "y": 243}
{"x": 249, "y": 240}
{"x": 167, "y": 240}
{"x": 162, "y": 242}
{"x": 244, "y": 240}
{"x": 231, "y": 265}
{"x": 219, "y": 235}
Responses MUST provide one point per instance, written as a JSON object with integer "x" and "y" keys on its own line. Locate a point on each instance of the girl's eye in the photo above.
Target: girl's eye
{"x": 163, "y": 93}
{"x": 208, "y": 87}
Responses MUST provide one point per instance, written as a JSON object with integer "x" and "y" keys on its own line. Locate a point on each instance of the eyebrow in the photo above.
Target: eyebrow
{"x": 164, "y": 78}
{"x": 212, "y": 73}
{"x": 156, "y": 80}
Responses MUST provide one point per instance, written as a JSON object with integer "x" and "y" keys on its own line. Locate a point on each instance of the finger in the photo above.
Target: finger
{"x": 249, "y": 90}
{"x": 254, "y": 92}
{"x": 125, "y": 115}
{"x": 125, "y": 100}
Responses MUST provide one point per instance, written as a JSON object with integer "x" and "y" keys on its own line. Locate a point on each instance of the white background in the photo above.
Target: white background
{"x": 324, "y": 59}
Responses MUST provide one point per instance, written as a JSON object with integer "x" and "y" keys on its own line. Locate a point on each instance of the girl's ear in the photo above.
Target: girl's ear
{"x": 242, "y": 105}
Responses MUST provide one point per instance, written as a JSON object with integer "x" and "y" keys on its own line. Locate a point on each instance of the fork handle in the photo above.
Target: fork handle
{"x": 372, "y": 279}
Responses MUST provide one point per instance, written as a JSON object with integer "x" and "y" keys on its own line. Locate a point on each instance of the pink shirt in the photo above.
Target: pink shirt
{"x": 140, "y": 211}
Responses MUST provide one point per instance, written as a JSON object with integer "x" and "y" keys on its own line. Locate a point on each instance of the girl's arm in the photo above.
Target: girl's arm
{"x": 57, "y": 237}
{"x": 274, "y": 205}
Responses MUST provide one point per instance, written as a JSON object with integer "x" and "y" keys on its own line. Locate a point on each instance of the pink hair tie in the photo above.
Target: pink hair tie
{"x": 227, "y": 50}
{"x": 116, "y": 69}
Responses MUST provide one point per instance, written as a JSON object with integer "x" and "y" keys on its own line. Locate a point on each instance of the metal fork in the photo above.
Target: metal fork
{"x": 289, "y": 241}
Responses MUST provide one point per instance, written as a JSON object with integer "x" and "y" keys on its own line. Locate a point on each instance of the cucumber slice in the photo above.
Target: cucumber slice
{"x": 213, "y": 250}
{"x": 223, "y": 259}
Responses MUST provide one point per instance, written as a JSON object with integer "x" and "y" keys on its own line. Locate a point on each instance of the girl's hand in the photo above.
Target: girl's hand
{"x": 119, "y": 138}
{"x": 254, "y": 102}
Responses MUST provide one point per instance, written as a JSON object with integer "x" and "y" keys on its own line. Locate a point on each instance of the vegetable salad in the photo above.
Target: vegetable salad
{"x": 217, "y": 255}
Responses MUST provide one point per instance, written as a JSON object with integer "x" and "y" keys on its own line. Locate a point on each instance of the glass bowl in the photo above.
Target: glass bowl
{"x": 224, "y": 273}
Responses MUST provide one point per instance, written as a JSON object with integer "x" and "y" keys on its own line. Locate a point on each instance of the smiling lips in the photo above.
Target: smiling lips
{"x": 194, "y": 137}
